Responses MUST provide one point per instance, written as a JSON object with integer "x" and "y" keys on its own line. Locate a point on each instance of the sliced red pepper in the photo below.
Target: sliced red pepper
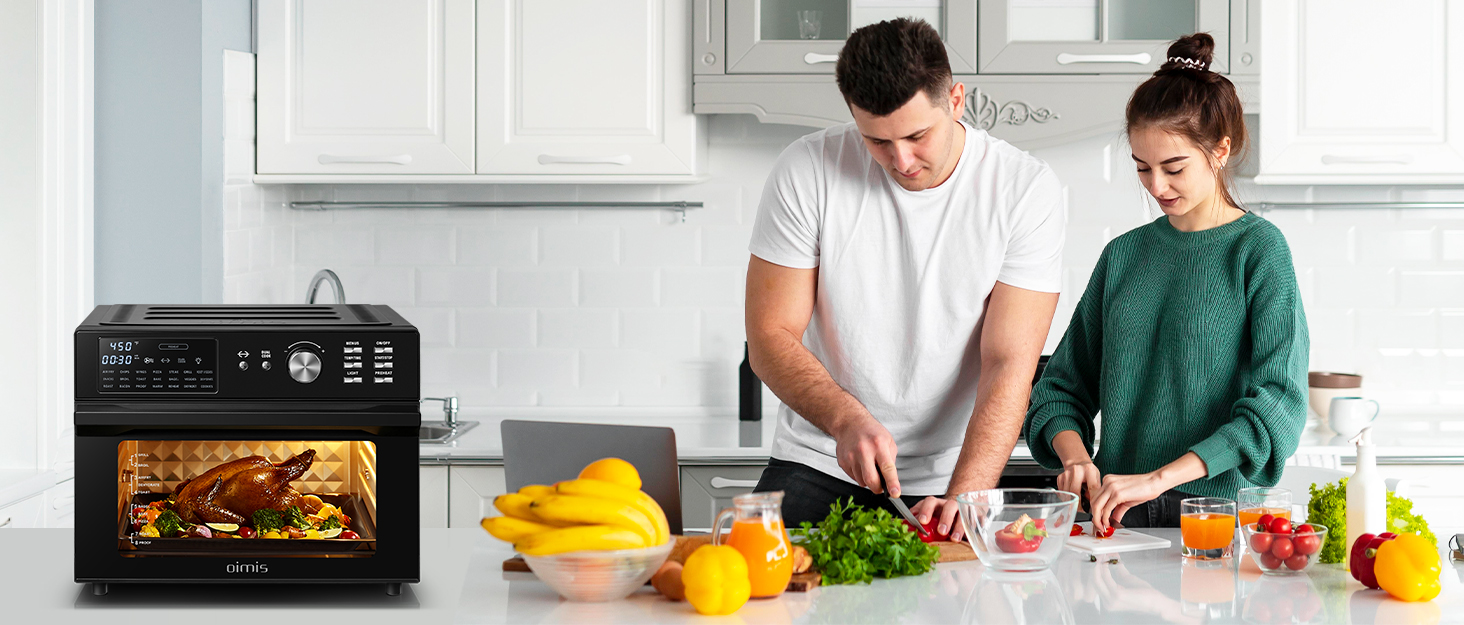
{"x": 1022, "y": 536}
{"x": 930, "y": 535}
{"x": 1076, "y": 531}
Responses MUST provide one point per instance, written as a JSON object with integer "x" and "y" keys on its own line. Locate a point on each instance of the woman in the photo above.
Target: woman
{"x": 1190, "y": 337}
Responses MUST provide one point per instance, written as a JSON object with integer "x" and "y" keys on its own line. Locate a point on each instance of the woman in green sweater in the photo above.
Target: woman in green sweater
{"x": 1190, "y": 337}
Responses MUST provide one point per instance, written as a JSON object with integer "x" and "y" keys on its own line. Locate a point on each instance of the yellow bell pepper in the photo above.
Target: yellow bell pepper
{"x": 1408, "y": 568}
{"x": 716, "y": 580}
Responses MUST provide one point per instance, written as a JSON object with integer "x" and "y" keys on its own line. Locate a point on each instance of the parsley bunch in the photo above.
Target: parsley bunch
{"x": 854, "y": 544}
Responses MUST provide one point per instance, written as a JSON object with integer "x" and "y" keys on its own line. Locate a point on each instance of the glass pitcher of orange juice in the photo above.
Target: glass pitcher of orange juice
{"x": 758, "y": 534}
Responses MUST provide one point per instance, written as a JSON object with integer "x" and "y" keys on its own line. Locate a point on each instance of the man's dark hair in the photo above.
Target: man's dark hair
{"x": 883, "y": 65}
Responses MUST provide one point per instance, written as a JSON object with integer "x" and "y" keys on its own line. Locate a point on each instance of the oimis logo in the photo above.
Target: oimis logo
{"x": 239, "y": 567}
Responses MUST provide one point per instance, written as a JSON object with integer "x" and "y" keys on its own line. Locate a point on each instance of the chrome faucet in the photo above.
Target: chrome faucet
{"x": 325, "y": 275}
{"x": 449, "y": 409}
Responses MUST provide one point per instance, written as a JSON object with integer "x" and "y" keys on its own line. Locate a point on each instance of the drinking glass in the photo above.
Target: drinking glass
{"x": 808, "y": 24}
{"x": 1257, "y": 501}
{"x": 1207, "y": 527}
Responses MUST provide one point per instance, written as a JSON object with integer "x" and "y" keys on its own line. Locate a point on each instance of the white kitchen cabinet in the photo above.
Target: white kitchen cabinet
{"x": 432, "y": 498}
{"x": 585, "y": 87}
{"x": 707, "y": 490}
{"x": 60, "y": 505}
{"x": 365, "y": 87}
{"x": 26, "y": 513}
{"x": 1095, "y": 36}
{"x": 1362, "y": 92}
{"x": 471, "y": 491}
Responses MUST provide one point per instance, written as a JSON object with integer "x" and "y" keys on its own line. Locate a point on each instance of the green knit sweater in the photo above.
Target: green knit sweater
{"x": 1185, "y": 341}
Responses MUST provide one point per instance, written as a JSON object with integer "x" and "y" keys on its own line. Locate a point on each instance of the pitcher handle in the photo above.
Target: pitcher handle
{"x": 726, "y": 513}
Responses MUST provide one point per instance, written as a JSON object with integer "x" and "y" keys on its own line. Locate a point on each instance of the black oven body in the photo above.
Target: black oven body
{"x": 218, "y": 381}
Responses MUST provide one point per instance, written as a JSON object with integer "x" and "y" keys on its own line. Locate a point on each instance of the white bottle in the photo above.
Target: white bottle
{"x": 1367, "y": 495}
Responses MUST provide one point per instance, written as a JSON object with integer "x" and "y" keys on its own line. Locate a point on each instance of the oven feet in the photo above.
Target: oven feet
{"x": 392, "y": 590}
{"x": 99, "y": 588}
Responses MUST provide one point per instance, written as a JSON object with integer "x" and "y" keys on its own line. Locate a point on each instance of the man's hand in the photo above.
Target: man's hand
{"x": 865, "y": 449}
{"x": 945, "y": 511}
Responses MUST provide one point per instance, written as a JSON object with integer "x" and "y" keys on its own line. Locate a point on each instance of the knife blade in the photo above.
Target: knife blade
{"x": 901, "y": 507}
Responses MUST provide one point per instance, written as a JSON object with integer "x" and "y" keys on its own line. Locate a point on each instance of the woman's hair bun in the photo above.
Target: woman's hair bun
{"x": 1195, "y": 51}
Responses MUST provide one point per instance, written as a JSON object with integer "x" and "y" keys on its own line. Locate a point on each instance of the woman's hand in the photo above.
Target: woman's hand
{"x": 1077, "y": 475}
{"x": 1121, "y": 492}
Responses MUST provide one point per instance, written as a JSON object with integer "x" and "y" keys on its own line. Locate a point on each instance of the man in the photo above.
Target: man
{"x": 904, "y": 274}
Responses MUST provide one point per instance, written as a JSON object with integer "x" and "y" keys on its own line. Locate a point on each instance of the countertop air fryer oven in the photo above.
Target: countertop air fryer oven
{"x": 228, "y": 444}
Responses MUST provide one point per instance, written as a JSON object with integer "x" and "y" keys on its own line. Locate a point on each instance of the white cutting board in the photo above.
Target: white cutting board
{"x": 1121, "y": 541}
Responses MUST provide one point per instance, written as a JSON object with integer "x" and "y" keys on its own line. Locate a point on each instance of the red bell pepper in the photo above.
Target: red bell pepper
{"x": 1023, "y": 535}
{"x": 1364, "y": 556}
{"x": 930, "y": 535}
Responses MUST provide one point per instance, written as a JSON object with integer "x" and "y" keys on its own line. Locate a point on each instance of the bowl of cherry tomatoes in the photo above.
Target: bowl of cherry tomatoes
{"x": 1281, "y": 548}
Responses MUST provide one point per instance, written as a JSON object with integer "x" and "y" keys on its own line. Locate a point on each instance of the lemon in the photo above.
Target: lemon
{"x": 330, "y": 533}
{"x": 312, "y": 535}
{"x": 272, "y": 534}
{"x": 224, "y": 527}
{"x": 613, "y": 470}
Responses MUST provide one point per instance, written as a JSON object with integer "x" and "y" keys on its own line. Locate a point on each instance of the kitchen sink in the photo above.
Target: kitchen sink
{"x": 439, "y": 432}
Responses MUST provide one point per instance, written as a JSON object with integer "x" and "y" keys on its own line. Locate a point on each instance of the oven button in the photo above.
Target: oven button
{"x": 304, "y": 366}
{"x": 243, "y": 366}
{"x": 264, "y": 365}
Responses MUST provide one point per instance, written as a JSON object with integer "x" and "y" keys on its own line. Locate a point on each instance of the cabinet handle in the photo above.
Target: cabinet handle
{"x": 1141, "y": 58}
{"x": 60, "y": 503}
{"x": 814, "y": 58}
{"x": 1385, "y": 159}
{"x": 331, "y": 159}
{"x": 722, "y": 482}
{"x": 555, "y": 159}
{"x": 6, "y": 521}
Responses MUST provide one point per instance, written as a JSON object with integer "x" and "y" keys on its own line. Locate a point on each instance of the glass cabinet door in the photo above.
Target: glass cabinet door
{"x": 805, "y": 36}
{"x": 1094, "y": 36}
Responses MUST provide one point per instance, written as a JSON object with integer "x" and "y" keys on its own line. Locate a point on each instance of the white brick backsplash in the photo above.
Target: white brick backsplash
{"x": 1382, "y": 247}
{"x": 577, "y": 246}
{"x": 1453, "y": 245}
{"x": 629, "y": 288}
{"x": 726, "y": 246}
{"x": 319, "y": 246}
{"x": 449, "y": 371}
{"x": 671, "y": 333}
{"x": 1431, "y": 288}
{"x": 261, "y": 248}
{"x": 236, "y": 252}
{"x": 1397, "y": 329}
{"x": 538, "y": 368}
{"x": 536, "y": 287}
{"x": 664, "y": 246}
{"x": 1333, "y": 328}
{"x": 496, "y": 327}
{"x": 619, "y": 368}
{"x": 700, "y": 287}
{"x": 415, "y": 246}
{"x": 433, "y": 324}
{"x": 455, "y": 285}
{"x": 578, "y": 327}
{"x": 499, "y": 246}
{"x": 722, "y": 335}
{"x": 1338, "y": 287}
{"x": 580, "y": 397}
{"x": 1451, "y": 329}
{"x": 375, "y": 285}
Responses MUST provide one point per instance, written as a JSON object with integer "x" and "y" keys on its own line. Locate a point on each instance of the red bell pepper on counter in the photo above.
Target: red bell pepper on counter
{"x": 1364, "y": 557}
{"x": 1023, "y": 535}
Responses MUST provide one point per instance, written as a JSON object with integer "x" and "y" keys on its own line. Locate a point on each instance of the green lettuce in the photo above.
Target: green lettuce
{"x": 1328, "y": 507}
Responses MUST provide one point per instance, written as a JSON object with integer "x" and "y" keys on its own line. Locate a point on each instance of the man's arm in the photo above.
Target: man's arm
{"x": 779, "y": 305}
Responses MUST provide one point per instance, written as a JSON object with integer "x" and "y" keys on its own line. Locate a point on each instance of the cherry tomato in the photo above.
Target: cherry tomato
{"x": 1265, "y": 522}
{"x": 930, "y": 534}
{"x": 1108, "y": 533}
{"x": 1270, "y": 562}
{"x": 1306, "y": 544}
{"x": 349, "y": 535}
{"x": 1304, "y": 528}
{"x": 1260, "y": 543}
{"x": 1282, "y": 547}
{"x": 1281, "y": 525}
{"x": 246, "y": 532}
{"x": 1297, "y": 562}
{"x": 1076, "y": 531}
{"x": 139, "y": 511}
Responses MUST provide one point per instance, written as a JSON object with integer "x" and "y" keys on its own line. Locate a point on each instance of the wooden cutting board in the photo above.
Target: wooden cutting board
{"x": 801, "y": 582}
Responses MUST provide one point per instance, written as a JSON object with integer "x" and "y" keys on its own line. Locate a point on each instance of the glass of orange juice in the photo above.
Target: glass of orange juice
{"x": 1207, "y": 527}
{"x": 758, "y": 534}
{"x": 1257, "y": 501}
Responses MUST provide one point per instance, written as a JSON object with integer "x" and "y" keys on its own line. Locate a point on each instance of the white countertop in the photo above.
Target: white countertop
{"x": 462, "y": 582}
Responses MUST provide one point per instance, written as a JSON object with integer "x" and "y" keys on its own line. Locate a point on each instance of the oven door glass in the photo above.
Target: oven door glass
{"x": 255, "y": 497}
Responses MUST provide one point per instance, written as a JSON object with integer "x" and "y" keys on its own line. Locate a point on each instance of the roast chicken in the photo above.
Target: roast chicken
{"x": 234, "y": 490}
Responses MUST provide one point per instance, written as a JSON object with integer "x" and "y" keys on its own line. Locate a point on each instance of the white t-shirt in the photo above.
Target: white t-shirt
{"x": 903, "y": 281}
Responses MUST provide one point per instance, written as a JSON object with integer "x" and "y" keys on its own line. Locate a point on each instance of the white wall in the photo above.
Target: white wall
{"x": 601, "y": 308}
{"x": 20, "y": 230}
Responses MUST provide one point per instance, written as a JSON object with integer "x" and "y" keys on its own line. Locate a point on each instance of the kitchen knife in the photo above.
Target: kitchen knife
{"x": 901, "y": 507}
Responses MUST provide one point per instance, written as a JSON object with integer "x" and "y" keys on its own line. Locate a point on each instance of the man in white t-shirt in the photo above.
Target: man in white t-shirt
{"x": 904, "y": 274}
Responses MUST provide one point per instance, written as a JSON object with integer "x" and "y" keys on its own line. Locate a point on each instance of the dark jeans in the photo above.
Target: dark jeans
{"x": 808, "y": 493}
{"x": 1162, "y": 511}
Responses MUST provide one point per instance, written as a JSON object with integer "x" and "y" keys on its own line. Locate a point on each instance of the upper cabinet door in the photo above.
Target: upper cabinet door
{"x": 804, "y": 36}
{"x": 365, "y": 87}
{"x": 1095, "y": 36}
{"x": 585, "y": 87}
{"x": 1362, "y": 92}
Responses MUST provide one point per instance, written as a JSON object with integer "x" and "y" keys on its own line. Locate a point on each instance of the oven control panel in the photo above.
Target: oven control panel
{"x": 148, "y": 365}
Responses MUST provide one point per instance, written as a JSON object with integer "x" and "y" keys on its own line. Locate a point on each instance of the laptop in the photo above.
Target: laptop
{"x": 545, "y": 452}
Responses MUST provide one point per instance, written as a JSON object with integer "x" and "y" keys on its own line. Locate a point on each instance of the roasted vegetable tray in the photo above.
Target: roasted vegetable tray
{"x": 361, "y": 524}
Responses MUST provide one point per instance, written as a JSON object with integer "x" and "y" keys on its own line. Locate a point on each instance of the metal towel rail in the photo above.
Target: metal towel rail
{"x": 1265, "y": 206}
{"x": 680, "y": 207}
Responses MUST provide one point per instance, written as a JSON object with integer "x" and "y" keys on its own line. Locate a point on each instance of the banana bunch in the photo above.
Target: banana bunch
{"x": 603, "y": 509}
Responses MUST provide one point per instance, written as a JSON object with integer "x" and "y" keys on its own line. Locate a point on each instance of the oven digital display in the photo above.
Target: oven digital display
{"x": 129, "y": 365}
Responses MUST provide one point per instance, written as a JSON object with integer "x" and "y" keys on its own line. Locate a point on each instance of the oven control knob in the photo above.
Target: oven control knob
{"x": 304, "y": 366}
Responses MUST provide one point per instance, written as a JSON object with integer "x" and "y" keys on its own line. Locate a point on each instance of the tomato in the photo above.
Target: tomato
{"x": 1265, "y": 522}
{"x": 1261, "y": 543}
{"x": 1282, "y": 547}
{"x": 1297, "y": 562}
{"x": 349, "y": 535}
{"x": 1270, "y": 562}
{"x": 1304, "y": 529}
{"x": 1307, "y": 544}
{"x": 1076, "y": 531}
{"x": 246, "y": 532}
{"x": 139, "y": 511}
{"x": 1281, "y": 526}
{"x": 930, "y": 534}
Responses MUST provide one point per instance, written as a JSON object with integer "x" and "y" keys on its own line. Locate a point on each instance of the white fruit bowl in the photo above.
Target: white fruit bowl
{"x": 596, "y": 576}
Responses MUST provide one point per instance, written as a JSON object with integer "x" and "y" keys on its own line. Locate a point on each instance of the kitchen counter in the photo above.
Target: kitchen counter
{"x": 463, "y": 583}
